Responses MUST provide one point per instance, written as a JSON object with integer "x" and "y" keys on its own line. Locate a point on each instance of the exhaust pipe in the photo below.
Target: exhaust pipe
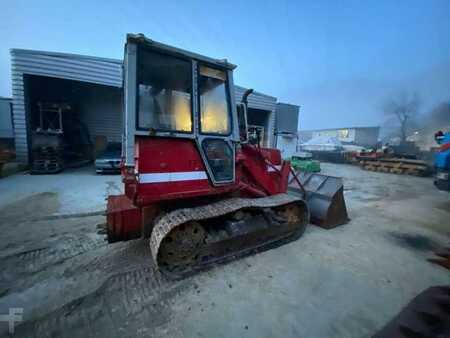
{"x": 245, "y": 96}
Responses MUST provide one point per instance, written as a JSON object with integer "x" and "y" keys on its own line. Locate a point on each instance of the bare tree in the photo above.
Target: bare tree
{"x": 404, "y": 107}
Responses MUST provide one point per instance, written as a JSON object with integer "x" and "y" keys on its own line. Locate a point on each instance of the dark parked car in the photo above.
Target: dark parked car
{"x": 109, "y": 161}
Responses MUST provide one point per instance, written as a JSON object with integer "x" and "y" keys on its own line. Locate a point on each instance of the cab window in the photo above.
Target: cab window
{"x": 164, "y": 92}
{"x": 214, "y": 102}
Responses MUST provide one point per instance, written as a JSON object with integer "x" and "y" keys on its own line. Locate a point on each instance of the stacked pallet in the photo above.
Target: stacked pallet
{"x": 396, "y": 166}
{"x": 47, "y": 160}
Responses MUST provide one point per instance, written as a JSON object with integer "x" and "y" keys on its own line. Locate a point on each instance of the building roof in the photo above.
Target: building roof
{"x": 256, "y": 93}
{"x": 65, "y": 55}
{"x": 326, "y": 129}
{"x": 288, "y": 104}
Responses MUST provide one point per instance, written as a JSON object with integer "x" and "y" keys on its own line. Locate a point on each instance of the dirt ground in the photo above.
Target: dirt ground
{"x": 345, "y": 282}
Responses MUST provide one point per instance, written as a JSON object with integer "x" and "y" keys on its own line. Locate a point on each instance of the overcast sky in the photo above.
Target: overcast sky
{"x": 338, "y": 60}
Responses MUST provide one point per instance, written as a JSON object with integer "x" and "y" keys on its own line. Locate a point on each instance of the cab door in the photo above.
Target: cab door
{"x": 216, "y": 123}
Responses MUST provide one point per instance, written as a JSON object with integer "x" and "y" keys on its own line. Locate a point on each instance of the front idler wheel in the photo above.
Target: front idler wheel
{"x": 182, "y": 245}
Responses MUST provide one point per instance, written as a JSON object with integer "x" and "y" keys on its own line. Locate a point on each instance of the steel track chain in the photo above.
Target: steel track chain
{"x": 177, "y": 217}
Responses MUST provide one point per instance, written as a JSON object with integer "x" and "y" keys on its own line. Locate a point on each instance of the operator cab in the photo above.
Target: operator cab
{"x": 174, "y": 93}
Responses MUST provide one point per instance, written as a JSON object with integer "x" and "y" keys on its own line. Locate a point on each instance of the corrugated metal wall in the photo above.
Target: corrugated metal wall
{"x": 65, "y": 66}
{"x": 101, "y": 110}
{"x": 6, "y": 127}
{"x": 261, "y": 101}
{"x": 286, "y": 128}
{"x": 286, "y": 118}
{"x": 256, "y": 100}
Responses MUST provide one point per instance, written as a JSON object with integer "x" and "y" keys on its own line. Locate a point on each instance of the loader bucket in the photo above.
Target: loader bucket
{"x": 325, "y": 198}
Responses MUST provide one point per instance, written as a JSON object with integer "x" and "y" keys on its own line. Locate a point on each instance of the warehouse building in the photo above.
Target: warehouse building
{"x": 360, "y": 136}
{"x": 88, "y": 91}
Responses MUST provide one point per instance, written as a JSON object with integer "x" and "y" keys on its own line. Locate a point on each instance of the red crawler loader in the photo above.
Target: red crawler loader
{"x": 194, "y": 185}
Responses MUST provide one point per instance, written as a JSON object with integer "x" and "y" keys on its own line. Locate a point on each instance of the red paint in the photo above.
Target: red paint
{"x": 254, "y": 164}
{"x": 165, "y": 155}
{"x": 123, "y": 219}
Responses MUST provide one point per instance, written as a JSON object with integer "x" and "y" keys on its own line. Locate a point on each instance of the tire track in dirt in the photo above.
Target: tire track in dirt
{"x": 73, "y": 284}
{"x": 129, "y": 304}
{"x": 30, "y": 263}
{"x": 65, "y": 248}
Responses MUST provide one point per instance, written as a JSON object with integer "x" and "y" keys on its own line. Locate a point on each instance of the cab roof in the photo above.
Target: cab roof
{"x": 141, "y": 39}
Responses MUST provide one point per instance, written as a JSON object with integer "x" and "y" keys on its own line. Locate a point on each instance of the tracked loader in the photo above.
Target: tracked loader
{"x": 194, "y": 184}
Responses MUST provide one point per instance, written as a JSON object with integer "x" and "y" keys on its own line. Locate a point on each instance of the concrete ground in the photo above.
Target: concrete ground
{"x": 345, "y": 282}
